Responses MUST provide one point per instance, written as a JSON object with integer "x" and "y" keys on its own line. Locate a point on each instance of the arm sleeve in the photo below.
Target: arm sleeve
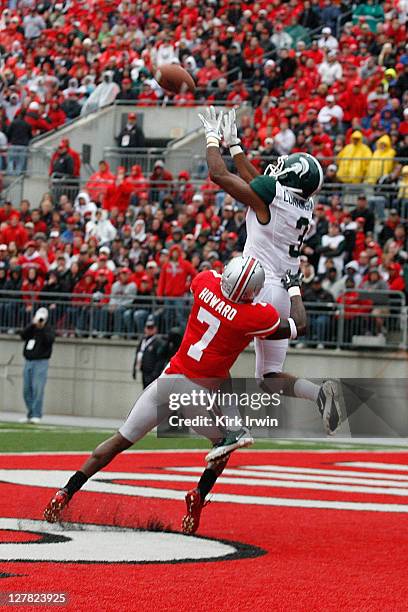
{"x": 265, "y": 320}
{"x": 264, "y": 187}
{"x": 26, "y": 333}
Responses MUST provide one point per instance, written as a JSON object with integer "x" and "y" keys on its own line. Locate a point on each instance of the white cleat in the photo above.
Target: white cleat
{"x": 328, "y": 402}
{"x": 232, "y": 441}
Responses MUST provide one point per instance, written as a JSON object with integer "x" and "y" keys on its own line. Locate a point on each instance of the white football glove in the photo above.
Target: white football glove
{"x": 211, "y": 123}
{"x": 230, "y": 130}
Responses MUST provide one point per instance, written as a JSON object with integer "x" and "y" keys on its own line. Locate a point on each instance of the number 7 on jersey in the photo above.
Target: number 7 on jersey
{"x": 196, "y": 350}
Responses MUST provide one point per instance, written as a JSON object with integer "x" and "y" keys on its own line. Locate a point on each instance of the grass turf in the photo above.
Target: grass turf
{"x": 15, "y": 437}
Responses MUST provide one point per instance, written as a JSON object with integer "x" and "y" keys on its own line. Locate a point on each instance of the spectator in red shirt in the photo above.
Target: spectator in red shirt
{"x": 99, "y": 182}
{"x": 395, "y": 281}
{"x": 118, "y": 194}
{"x": 176, "y": 275}
{"x": 32, "y": 259}
{"x": 161, "y": 182}
{"x": 56, "y": 115}
{"x": 238, "y": 95}
{"x": 208, "y": 73}
{"x": 14, "y": 231}
{"x": 138, "y": 184}
{"x": 30, "y": 292}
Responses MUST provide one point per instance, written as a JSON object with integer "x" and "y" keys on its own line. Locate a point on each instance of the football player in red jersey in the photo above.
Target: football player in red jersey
{"x": 222, "y": 322}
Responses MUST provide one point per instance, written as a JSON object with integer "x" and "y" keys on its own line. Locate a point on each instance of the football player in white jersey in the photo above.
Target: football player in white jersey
{"x": 280, "y": 209}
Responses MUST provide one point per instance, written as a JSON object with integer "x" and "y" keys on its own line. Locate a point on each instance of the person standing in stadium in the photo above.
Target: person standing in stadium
{"x": 222, "y": 322}
{"x": 38, "y": 341}
{"x": 280, "y": 209}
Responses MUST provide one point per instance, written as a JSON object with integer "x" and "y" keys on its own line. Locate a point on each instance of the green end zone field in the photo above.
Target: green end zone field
{"x": 15, "y": 437}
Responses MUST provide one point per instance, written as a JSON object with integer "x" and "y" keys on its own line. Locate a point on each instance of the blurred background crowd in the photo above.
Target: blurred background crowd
{"x": 321, "y": 76}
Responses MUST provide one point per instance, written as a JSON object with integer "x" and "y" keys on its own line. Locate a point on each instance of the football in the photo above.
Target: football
{"x": 174, "y": 78}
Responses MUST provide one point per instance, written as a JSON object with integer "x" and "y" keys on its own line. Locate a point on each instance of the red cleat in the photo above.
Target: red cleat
{"x": 60, "y": 500}
{"x": 195, "y": 504}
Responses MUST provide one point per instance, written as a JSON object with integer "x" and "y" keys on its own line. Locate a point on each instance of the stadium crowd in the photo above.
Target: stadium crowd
{"x": 119, "y": 259}
{"x": 321, "y": 78}
{"x": 314, "y": 71}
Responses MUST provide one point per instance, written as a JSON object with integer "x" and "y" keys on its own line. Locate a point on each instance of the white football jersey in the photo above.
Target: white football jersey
{"x": 277, "y": 244}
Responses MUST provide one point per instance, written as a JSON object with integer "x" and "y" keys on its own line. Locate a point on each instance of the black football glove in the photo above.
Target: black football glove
{"x": 292, "y": 280}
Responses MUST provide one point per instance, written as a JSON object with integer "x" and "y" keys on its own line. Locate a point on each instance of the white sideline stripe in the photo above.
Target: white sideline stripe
{"x": 39, "y": 477}
{"x": 304, "y": 470}
{"x": 373, "y": 464}
{"x": 55, "y": 478}
{"x": 303, "y": 477}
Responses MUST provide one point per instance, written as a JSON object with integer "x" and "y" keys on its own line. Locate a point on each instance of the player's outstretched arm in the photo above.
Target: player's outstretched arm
{"x": 296, "y": 324}
{"x": 230, "y": 133}
{"x": 232, "y": 184}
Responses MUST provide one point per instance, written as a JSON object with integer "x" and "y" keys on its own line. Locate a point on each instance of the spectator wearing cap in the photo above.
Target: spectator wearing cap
{"x": 127, "y": 91}
{"x": 104, "y": 263}
{"x": 388, "y": 229}
{"x": 330, "y": 176}
{"x": 330, "y": 112}
{"x": 132, "y": 136}
{"x": 31, "y": 258}
{"x": 362, "y": 210}
{"x": 161, "y": 182}
{"x": 68, "y": 234}
{"x": 134, "y": 318}
{"x": 227, "y": 220}
{"x": 150, "y": 354}
{"x": 38, "y": 339}
{"x": 122, "y": 295}
{"x": 327, "y": 41}
{"x": 330, "y": 69}
{"x": 353, "y": 160}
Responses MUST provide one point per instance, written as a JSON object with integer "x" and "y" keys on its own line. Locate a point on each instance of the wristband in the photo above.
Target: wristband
{"x": 235, "y": 150}
{"x": 212, "y": 141}
{"x": 294, "y": 291}
{"x": 293, "y": 329}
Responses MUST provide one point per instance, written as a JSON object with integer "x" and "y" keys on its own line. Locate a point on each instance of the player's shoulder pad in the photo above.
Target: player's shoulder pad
{"x": 265, "y": 187}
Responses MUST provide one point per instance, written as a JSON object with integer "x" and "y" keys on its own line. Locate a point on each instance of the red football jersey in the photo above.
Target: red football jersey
{"x": 218, "y": 330}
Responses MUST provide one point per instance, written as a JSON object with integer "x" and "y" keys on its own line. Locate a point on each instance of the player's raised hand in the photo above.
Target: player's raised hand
{"x": 230, "y": 130}
{"x": 211, "y": 123}
{"x": 292, "y": 280}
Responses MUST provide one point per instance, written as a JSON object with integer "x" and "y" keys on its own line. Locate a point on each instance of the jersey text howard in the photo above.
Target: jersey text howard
{"x": 225, "y": 310}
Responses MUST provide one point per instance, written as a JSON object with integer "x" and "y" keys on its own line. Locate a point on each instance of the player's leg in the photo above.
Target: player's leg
{"x": 144, "y": 415}
{"x": 196, "y": 498}
{"x": 270, "y": 358}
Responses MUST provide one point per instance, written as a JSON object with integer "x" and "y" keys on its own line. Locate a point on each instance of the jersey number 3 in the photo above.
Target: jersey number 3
{"x": 303, "y": 225}
{"x": 196, "y": 350}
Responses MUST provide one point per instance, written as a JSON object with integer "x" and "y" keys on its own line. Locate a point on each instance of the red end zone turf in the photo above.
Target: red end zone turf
{"x": 285, "y": 545}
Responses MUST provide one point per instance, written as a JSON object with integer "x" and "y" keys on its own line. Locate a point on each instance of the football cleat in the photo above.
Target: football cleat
{"x": 60, "y": 500}
{"x": 191, "y": 521}
{"x": 329, "y": 406}
{"x": 232, "y": 441}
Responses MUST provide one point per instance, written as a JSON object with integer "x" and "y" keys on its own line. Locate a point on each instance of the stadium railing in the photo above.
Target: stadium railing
{"x": 146, "y": 158}
{"x": 379, "y": 320}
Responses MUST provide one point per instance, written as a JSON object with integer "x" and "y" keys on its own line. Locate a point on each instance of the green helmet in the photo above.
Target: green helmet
{"x": 298, "y": 172}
